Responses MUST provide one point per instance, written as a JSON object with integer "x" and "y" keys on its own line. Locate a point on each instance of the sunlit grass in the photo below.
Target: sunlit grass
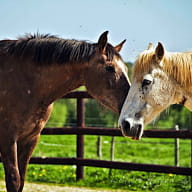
{"x": 152, "y": 151}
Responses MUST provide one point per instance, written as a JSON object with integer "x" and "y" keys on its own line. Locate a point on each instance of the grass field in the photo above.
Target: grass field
{"x": 152, "y": 151}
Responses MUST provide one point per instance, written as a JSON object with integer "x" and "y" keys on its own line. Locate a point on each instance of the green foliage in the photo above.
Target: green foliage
{"x": 184, "y": 117}
{"x": 58, "y": 115}
{"x": 64, "y": 113}
{"x": 97, "y": 116}
{"x": 174, "y": 115}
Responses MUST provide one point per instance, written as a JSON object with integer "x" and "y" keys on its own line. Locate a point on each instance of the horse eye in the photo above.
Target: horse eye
{"x": 110, "y": 69}
{"x": 146, "y": 82}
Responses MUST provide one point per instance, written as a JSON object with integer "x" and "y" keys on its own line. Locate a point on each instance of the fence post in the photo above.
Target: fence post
{"x": 112, "y": 152}
{"x": 99, "y": 147}
{"x": 177, "y": 148}
{"x": 112, "y": 147}
{"x": 80, "y": 138}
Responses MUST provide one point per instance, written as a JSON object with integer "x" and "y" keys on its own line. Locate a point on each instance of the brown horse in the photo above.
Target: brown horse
{"x": 38, "y": 69}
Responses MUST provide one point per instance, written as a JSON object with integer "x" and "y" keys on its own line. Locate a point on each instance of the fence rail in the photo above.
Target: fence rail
{"x": 112, "y": 165}
{"x": 80, "y": 130}
{"x": 182, "y": 134}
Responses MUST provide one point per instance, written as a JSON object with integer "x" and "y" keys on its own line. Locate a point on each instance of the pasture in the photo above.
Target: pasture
{"x": 154, "y": 151}
{"x": 146, "y": 150}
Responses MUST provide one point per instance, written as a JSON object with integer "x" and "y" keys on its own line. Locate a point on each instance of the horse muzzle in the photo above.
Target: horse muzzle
{"x": 132, "y": 129}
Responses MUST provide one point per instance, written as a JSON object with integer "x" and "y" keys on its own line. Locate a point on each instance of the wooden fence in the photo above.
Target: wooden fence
{"x": 80, "y": 130}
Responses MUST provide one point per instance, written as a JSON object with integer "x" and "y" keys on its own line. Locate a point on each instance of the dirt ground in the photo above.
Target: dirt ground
{"x": 33, "y": 187}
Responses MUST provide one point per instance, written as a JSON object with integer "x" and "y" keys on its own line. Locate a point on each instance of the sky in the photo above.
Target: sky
{"x": 137, "y": 21}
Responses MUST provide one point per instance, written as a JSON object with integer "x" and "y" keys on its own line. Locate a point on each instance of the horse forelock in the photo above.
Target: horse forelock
{"x": 176, "y": 65}
{"x": 143, "y": 64}
{"x": 111, "y": 52}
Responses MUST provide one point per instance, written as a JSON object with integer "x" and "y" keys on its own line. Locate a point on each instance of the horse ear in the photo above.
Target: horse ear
{"x": 102, "y": 42}
{"x": 150, "y": 46}
{"x": 119, "y": 46}
{"x": 159, "y": 52}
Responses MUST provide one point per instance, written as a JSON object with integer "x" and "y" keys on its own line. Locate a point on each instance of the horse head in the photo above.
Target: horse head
{"x": 153, "y": 89}
{"x": 108, "y": 72}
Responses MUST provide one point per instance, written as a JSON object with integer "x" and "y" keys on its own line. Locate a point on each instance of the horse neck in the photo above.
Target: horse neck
{"x": 54, "y": 66}
{"x": 55, "y": 81}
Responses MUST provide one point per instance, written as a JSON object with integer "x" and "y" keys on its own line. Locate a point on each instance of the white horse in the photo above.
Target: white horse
{"x": 160, "y": 78}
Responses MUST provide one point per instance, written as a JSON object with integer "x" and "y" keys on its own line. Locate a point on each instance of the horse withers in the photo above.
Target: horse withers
{"x": 160, "y": 78}
{"x": 35, "y": 70}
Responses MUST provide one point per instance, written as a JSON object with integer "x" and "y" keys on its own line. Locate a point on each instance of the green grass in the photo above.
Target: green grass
{"x": 152, "y": 151}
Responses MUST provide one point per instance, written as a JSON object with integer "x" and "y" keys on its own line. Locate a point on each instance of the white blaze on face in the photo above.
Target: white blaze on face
{"x": 132, "y": 104}
{"x": 121, "y": 65}
{"x": 131, "y": 120}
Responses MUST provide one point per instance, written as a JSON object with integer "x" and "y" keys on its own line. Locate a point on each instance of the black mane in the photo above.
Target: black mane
{"x": 47, "y": 49}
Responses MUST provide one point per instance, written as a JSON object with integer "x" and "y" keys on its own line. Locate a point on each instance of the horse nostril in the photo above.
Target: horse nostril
{"x": 138, "y": 115}
{"x": 126, "y": 126}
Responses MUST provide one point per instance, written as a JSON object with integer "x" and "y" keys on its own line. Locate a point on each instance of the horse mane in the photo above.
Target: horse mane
{"x": 176, "y": 65}
{"x": 47, "y": 49}
{"x": 143, "y": 64}
{"x": 179, "y": 65}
